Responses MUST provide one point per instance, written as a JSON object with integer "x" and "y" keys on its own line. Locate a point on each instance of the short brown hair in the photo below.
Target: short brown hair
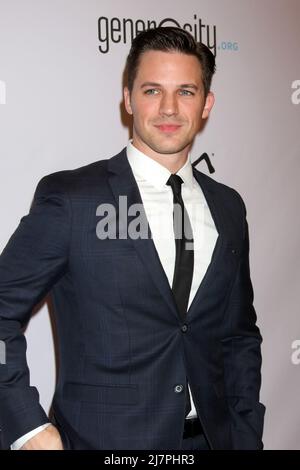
{"x": 167, "y": 39}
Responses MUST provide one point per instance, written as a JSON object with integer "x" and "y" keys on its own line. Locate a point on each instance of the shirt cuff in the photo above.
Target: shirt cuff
{"x": 22, "y": 440}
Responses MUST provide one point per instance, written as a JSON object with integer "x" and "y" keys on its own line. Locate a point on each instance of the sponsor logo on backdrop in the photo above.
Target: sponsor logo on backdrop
{"x": 229, "y": 46}
{"x": 296, "y": 94}
{"x": 295, "y": 357}
{"x": 123, "y": 30}
{"x": 2, "y": 92}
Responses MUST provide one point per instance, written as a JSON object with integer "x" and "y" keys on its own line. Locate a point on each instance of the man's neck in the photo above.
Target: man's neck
{"x": 173, "y": 162}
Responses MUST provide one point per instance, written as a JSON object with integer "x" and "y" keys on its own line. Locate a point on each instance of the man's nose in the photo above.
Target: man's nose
{"x": 168, "y": 105}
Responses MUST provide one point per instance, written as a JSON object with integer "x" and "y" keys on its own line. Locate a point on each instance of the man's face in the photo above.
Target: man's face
{"x": 167, "y": 103}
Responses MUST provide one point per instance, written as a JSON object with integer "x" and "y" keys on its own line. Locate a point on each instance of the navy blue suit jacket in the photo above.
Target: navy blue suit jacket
{"x": 122, "y": 349}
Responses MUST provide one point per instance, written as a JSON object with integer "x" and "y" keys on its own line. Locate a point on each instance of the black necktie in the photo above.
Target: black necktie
{"x": 184, "y": 261}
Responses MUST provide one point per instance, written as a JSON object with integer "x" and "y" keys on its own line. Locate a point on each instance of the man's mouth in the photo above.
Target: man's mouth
{"x": 168, "y": 127}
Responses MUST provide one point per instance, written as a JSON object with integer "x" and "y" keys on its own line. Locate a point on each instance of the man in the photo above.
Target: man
{"x": 158, "y": 344}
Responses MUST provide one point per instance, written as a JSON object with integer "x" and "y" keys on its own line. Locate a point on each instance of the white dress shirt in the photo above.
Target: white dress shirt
{"x": 157, "y": 197}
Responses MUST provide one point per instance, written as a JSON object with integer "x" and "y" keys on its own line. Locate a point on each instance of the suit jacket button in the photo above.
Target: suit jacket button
{"x": 184, "y": 328}
{"x": 178, "y": 388}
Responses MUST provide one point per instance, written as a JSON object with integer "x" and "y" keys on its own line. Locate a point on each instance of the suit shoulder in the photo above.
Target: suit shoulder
{"x": 66, "y": 181}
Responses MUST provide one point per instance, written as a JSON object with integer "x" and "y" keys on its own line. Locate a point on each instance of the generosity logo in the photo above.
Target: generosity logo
{"x": 123, "y": 30}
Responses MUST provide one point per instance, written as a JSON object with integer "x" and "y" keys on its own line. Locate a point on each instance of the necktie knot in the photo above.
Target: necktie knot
{"x": 175, "y": 182}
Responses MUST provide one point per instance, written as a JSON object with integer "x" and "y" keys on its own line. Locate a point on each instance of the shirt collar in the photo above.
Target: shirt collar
{"x": 146, "y": 169}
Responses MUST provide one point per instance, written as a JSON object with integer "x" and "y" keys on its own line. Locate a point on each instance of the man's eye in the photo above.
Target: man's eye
{"x": 186, "y": 93}
{"x": 151, "y": 91}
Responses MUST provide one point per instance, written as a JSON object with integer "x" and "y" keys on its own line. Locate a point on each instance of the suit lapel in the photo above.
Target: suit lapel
{"x": 123, "y": 183}
{"x": 216, "y": 213}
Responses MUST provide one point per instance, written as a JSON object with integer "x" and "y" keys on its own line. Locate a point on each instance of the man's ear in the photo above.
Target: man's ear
{"x": 127, "y": 100}
{"x": 209, "y": 102}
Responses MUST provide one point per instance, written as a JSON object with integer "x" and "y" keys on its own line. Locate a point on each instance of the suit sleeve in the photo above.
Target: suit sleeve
{"x": 242, "y": 356}
{"x": 32, "y": 262}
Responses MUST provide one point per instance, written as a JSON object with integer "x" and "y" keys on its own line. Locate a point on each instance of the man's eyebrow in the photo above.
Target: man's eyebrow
{"x": 189, "y": 85}
{"x": 150, "y": 84}
{"x": 183, "y": 85}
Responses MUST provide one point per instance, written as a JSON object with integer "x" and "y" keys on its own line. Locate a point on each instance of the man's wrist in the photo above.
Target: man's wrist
{"x": 23, "y": 439}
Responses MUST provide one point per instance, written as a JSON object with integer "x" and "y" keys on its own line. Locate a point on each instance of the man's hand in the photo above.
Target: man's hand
{"x": 48, "y": 439}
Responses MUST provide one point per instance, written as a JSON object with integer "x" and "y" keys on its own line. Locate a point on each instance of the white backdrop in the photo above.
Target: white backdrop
{"x": 60, "y": 108}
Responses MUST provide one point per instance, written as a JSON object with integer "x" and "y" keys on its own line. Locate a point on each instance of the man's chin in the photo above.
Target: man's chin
{"x": 168, "y": 150}
{"x": 168, "y": 147}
